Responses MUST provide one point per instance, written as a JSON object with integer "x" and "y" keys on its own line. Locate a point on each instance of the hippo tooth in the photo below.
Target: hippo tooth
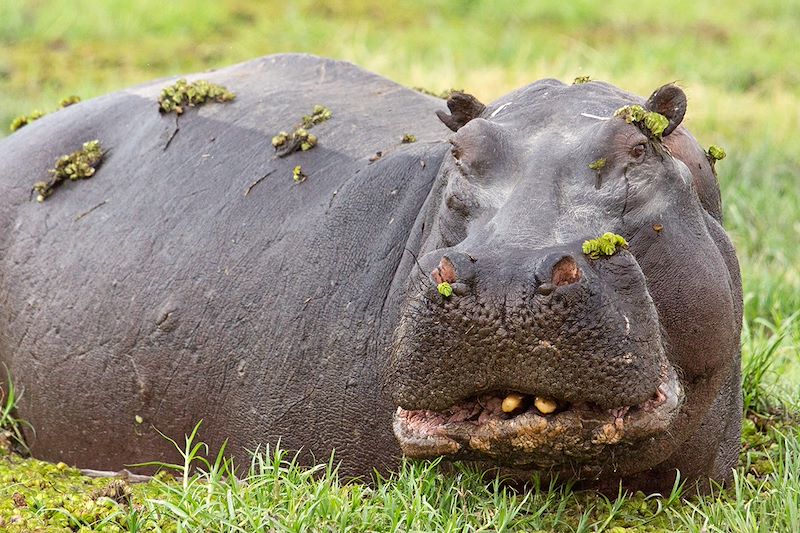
{"x": 512, "y": 402}
{"x": 545, "y": 405}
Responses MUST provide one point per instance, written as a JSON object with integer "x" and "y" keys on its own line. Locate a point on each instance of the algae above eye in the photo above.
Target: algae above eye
{"x": 581, "y": 80}
{"x": 408, "y": 138}
{"x": 182, "y": 93}
{"x": 604, "y": 246}
{"x": 80, "y": 164}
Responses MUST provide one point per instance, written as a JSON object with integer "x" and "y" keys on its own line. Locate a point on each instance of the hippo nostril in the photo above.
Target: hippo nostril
{"x": 566, "y": 272}
{"x": 445, "y": 272}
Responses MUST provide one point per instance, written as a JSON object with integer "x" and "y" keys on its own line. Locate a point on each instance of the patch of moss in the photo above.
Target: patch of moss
{"x": 445, "y": 289}
{"x": 298, "y": 175}
{"x": 286, "y": 143}
{"x": 36, "y": 114}
{"x": 606, "y": 245}
{"x": 68, "y": 101}
{"x": 318, "y": 115}
{"x": 78, "y": 165}
{"x": 182, "y": 93}
{"x": 581, "y": 79}
{"x": 24, "y": 120}
{"x": 715, "y": 153}
{"x": 648, "y": 121}
{"x": 408, "y": 138}
{"x": 597, "y": 165}
{"x": 40, "y": 496}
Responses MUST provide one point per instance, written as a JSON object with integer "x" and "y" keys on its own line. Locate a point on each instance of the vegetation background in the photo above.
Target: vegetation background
{"x": 736, "y": 60}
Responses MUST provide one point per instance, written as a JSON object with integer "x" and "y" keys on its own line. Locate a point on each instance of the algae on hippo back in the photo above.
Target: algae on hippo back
{"x": 36, "y": 114}
{"x": 298, "y": 175}
{"x": 182, "y": 93}
{"x": 80, "y": 164}
{"x": 286, "y": 143}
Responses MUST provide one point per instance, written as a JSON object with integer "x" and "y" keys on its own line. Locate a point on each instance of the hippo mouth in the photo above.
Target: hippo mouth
{"x": 524, "y": 431}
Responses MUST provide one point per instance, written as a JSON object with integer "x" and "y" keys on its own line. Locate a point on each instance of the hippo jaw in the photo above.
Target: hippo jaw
{"x": 579, "y": 434}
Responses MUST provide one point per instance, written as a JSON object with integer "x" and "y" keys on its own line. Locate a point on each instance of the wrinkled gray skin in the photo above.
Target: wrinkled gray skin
{"x": 309, "y": 312}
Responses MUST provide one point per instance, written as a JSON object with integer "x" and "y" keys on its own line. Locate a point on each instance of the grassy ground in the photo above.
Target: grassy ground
{"x": 737, "y": 63}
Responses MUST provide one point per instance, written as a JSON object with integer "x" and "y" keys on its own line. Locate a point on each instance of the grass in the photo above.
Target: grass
{"x": 735, "y": 60}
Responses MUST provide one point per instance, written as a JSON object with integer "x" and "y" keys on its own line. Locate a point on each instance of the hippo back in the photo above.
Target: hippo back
{"x": 192, "y": 278}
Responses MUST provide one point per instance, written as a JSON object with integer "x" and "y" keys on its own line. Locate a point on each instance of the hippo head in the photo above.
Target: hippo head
{"x": 517, "y": 349}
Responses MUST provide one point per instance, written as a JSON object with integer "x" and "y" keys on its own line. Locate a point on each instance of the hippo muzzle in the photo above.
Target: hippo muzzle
{"x": 538, "y": 359}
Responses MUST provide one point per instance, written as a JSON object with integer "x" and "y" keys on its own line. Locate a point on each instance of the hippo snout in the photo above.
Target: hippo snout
{"x": 549, "y": 331}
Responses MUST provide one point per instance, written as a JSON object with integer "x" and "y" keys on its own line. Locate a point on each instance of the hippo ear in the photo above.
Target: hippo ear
{"x": 463, "y": 108}
{"x": 670, "y": 101}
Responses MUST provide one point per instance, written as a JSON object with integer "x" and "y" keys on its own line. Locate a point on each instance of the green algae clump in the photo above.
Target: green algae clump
{"x": 715, "y": 152}
{"x": 182, "y": 93}
{"x": 286, "y": 143}
{"x": 298, "y": 175}
{"x": 318, "y": 115}
{"x": 604, "y": 246}
{"x": 78, "y": 165}
{"x": 24, "y": 120}
{"x": 597, "y": 165}
{"x": 581, "y": 79}
{"x": 68, "y": 101}
{"x": 650, "y": 121}
{"x": 445, "y": 289}
{"x": 408, "y": 138}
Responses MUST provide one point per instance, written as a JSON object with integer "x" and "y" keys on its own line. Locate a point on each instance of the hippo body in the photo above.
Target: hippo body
{"x": 192, "y": 278}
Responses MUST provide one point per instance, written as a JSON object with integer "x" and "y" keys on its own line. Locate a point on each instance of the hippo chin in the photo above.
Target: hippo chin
{"x": 432, "y": 298}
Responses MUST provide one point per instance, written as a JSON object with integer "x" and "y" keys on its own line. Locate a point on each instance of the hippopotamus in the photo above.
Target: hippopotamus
{"x": 415, "y": 281}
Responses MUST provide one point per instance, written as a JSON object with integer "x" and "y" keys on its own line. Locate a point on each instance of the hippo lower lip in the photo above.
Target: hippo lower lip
{"x": 478, "y": 429}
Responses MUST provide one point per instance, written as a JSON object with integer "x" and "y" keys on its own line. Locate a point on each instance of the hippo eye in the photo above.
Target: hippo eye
{"x": 638, "y": 151}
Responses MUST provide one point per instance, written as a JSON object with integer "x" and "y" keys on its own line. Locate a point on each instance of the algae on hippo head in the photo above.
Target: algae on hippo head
{"x": 606, "y": 245}
{"x": 598, "y": 164}
{"x": 80, "y": 164}
{"x": 715, "y": 153}
{"x": 649, "y": 122}
{"x": 445, "y": 289}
